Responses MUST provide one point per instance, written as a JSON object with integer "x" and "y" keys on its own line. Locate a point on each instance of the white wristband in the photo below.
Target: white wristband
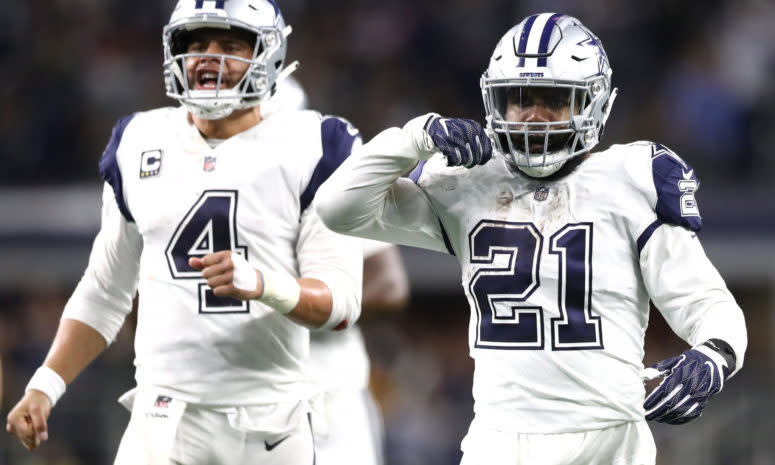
{"x": 281, "y": 291}
{"x": 244, "y": 275}
{"x": 48, "y": 382}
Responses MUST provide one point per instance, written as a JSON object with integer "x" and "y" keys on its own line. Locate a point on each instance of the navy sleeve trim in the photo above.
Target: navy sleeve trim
{"x": 646, "y": 235}
{"x": 109, "y": 169}
{"x": 447, "y": 242}
{"x": 676, "y": 185}
{"x": 417, "y": 171}
{"x": 337, "y": 139}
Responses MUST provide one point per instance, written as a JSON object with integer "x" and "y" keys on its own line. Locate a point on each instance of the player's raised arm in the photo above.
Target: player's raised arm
{"x": 367, "y": 197}
{"x": 91, "y": 319}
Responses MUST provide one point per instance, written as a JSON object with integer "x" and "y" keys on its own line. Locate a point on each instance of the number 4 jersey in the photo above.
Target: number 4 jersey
{"x": 558, "y": 273}
{"x": 171, "y": 195}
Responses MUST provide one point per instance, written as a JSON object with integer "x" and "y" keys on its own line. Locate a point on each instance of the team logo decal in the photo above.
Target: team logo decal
{"x": 209, "y": 164}
{"x": 150, "y": 163}
{"x": 541, "y": 193}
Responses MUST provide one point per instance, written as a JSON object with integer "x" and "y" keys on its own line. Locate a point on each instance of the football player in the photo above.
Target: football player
{"x": 561, "y": 249}
{"x": 206, "y": 211}
{"x": 339, "y": 360}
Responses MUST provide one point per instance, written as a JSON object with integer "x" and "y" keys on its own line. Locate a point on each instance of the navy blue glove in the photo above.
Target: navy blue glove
{"x": 691, "y": 379}
{"x": 462, "y": 141}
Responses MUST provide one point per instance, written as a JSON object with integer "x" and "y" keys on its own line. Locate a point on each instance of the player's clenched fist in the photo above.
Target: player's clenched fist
{"x": 462, "y": 141}
{"x": 229, "y": 275}
{"x": 27, "y": 420}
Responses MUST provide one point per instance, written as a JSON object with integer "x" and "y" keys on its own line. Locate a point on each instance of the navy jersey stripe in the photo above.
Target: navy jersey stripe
{"x": 337, "y": 139}
{"x": 417, "y": 171}
{"x": 108, "y": 166}
{"x": 447, "y": 242}
{"x": 646, "y": 234}
{"x": 675, "y": 183}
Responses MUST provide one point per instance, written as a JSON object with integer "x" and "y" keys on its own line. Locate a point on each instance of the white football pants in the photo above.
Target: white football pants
{"x": 625, "y": 444}
{"x": 351, "y": 429}
{"x": 165, "y": 431}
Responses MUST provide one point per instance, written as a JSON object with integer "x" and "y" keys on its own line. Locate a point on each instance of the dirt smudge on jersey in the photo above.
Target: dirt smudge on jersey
{"x": 554, "y": 213}
{"x": 503, "y": 199}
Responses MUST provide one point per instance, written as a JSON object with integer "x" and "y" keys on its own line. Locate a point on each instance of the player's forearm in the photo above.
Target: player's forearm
{"x": 315, "y": 304}
{"x": 357, "y": 192}
{"x": 75, "y": 346}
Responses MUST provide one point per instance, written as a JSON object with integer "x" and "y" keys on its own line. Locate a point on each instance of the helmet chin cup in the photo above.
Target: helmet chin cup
{"x": 205, "y": 106}
{"x": 541, "y": 171}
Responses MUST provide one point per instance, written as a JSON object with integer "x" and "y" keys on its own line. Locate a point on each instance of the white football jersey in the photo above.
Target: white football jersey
{"x": 178, "y": 197}
{"x": 558, "y": 273}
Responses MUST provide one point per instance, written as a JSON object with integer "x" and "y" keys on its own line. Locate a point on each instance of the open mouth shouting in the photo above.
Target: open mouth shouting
{"x": 207, "y": 79}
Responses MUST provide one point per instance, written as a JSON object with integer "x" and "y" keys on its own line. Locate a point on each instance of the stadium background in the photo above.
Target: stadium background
{"x": 692, "y": 75}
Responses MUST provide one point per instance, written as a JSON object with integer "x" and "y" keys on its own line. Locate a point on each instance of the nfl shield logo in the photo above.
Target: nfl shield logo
{"x": 209, "y": 164}
{"x": 541, "y": 193}
{"x": 162, "y": 402}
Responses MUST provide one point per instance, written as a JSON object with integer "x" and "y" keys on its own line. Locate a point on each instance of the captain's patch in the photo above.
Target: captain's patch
{"x": 150, "y": 163}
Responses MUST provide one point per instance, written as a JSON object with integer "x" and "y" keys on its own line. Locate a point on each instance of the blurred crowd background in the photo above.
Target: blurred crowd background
{"x": 695, "y": 76}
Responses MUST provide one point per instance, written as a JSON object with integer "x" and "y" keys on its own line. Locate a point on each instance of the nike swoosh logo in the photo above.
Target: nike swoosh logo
{"x": 352, "y": 130}
{"x": 270, "y": 446}
{"x": 687, "y": 175}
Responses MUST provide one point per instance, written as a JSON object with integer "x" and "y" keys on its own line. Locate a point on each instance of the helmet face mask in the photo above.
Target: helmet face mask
{"x": 547, "y": 93}
{"x": 259, "y": 22}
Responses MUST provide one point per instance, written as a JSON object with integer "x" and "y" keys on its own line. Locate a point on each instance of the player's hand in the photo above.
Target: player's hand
{"x": 462, "y": 141}
{"x": 229, "y": 275}
{"x": 27, "y": 420}
{"x": 690, "y": 380}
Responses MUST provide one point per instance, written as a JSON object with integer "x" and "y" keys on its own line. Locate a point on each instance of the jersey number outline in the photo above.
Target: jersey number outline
{"x": 499, "y": 292}
{"x": 209, "y": 226}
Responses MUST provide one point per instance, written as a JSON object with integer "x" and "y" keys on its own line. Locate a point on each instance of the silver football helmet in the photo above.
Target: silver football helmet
{"x": 555, "y": 59}
{"x": 261, "y": 19}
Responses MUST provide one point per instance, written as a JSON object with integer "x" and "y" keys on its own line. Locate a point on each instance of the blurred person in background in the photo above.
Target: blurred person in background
{"x": 561, "y": 251}
{"x": 348, "y": 425}
{"x": 339, "y": 359}
{"x": 206, "y": 214}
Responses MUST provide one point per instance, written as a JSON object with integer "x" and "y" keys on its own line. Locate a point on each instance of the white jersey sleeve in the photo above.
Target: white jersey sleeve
{"x": 103, "y": 297}
{"x": 689, "y": 292}
{"x": 683, "y": 284}
{"x": 367, "y": 197}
